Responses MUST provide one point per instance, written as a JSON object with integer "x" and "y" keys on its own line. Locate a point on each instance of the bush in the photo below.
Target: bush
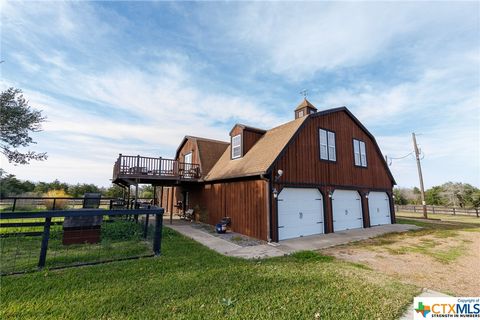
{"x": 60, "y": 204}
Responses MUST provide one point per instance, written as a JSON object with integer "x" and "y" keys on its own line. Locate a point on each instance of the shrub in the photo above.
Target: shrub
{"x": 59, "y": 203}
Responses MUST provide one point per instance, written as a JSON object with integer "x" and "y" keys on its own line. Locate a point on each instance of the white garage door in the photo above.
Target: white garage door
{"x": 347, "y": 210}
{"x": 379, "y": 208}
{"x": 300, "y": 212}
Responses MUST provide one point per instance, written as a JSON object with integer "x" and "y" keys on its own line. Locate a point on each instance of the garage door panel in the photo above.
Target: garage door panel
{"x": 379, "y": 208}
{"x": 347, "y": 210}
{"x": 300, "y": 212}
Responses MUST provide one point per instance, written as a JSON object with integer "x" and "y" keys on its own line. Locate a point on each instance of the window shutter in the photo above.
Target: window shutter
{"x": 323, "y": 145}
{"x": 331, "y": 146}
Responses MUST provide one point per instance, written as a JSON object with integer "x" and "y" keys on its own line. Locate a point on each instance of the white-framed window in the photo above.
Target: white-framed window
{"x": 300, "y": 113}
{"x": 359, "y": 153}
{"x": 327, "y": 145}
{"x": 237, "y": 146}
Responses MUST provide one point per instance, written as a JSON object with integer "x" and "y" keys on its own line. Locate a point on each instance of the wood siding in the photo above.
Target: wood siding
{"x": 249, "y": 139}
{"x": 301, "y": 161}
{"x": 302, "y": 166}
{"x": 189, "y": 146}
{"x": 243, "y": 201}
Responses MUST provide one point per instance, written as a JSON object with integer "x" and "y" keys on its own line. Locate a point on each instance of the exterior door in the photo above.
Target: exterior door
{"x": 187, "y": 159}
{"x": 300, "y": 213}
{"x": 379, "y": 208}
{"x": 347, "y": 210}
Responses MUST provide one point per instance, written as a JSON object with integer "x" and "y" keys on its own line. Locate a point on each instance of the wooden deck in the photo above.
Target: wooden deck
{"x": 129, "y": 170}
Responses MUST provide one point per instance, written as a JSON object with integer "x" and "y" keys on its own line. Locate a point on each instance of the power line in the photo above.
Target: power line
{"x": 398, "y": 158}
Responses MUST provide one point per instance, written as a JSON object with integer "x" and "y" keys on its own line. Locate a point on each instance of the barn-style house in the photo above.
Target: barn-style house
{"x": 319, "y": 173}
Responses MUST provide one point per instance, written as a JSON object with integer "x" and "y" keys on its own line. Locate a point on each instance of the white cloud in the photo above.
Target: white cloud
{"x": 300, "y": 40}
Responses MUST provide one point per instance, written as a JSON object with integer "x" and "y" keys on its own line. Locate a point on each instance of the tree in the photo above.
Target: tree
{"x": 11, "y": 186}
{"x": 79, "y": 190}
{"x": 17, "y": 121}
{"x": 114, "y": 192}
{"x": 433, "y": 196}
{"x": 400, "y": 197}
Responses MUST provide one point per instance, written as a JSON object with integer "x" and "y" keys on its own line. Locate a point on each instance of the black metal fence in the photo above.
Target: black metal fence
{"x": 438, "y": 209}
{"x": 50, "y": 203}
{"x": 59, "y": 238}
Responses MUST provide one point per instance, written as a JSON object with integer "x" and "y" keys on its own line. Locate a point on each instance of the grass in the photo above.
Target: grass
{"x": 120, "y": 239}
{"x": 190, "y": 281}
{"x": 428, "y": 241}
{"x": 471, "y": 219}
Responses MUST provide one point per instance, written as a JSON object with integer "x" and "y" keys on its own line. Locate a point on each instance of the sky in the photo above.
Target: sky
{"x": 135, "y": 77}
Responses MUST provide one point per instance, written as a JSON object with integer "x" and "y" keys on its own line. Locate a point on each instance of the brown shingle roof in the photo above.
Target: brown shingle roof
{"x": 209, "y": 152}
{"x": 259, "y": 158}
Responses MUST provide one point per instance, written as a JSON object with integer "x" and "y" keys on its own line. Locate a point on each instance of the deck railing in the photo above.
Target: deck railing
{"x": 134, "y": 166}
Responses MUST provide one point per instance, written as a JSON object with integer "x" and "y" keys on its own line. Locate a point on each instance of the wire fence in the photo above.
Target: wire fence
{"x": 59, "y": 238}
{"x": 438, "y": 209}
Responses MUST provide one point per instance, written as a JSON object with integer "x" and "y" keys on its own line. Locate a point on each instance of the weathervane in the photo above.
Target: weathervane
{"x": 304, "y": 93}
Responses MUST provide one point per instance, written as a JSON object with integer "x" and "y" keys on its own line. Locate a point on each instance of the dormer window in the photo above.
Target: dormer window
{"x": 237, "y": 146}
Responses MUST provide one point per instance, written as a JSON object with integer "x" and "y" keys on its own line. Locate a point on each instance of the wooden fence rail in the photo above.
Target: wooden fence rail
{"x": 438, "y": 209}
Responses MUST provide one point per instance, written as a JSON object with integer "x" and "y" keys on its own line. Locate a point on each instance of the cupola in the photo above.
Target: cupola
{"x": 304, "y": 109}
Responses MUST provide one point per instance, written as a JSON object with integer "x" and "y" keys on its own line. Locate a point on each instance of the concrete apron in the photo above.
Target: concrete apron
{"x": 317, "y": 242}
{"x": 285, "y": 247}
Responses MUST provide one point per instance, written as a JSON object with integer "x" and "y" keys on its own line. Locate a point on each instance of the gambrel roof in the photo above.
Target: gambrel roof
{"x": 262, "y": 156}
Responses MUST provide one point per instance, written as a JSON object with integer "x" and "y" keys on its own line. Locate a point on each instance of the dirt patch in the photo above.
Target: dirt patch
{"x": 447, "y": 264}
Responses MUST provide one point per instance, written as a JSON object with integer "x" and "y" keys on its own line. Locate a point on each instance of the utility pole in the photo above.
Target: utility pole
{"x": 419, "y": 167}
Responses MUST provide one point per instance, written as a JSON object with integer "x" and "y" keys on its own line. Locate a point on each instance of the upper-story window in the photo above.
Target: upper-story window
{"x": 359, "y": 153}
{"x": 327, "y": 145}
{"x": 300, "y": 113}
{"x": 237, "y": 146}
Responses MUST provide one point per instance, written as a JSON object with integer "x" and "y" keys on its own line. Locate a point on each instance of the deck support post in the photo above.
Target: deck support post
{"x": 171, "y": 204}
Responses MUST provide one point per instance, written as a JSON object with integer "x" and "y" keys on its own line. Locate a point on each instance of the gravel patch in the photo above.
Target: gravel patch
{"x": 233, "y": 237}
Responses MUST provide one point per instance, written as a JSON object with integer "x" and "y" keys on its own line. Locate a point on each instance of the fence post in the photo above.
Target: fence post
{"x": 157, "y": 240}
{"x": 14, "y": 204}
{"x": 476, "y": 211}
{"x": 414, "y": 211}
{"x": 45, "y": 238}
{"x": 145, "y": 229}
{"x": 433, "y": 209}
{"x": 453, "y": 210}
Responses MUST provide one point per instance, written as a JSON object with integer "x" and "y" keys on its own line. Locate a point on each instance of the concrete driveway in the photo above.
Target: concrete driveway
{"x": 284, "y": 247}
{"x": 323, "y": 241}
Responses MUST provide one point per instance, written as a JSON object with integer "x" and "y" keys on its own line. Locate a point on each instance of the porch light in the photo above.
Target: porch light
{"x": 366, "y": 194}
{"x": 279, "y": 174}
{"x": 275, "y": 193}
{"x": 330, "y": 194}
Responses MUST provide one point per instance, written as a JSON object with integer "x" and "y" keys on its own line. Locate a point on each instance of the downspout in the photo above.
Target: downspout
{"x": 269, "y": 202}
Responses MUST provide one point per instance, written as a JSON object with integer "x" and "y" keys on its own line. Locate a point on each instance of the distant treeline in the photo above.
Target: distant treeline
{"x": 451, "y": 194}
{"x": 10, "y": 186}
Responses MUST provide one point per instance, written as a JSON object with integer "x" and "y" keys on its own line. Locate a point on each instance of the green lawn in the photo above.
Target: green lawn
{"x": 190, "y": 281}
{"x": 120, "y": 239}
